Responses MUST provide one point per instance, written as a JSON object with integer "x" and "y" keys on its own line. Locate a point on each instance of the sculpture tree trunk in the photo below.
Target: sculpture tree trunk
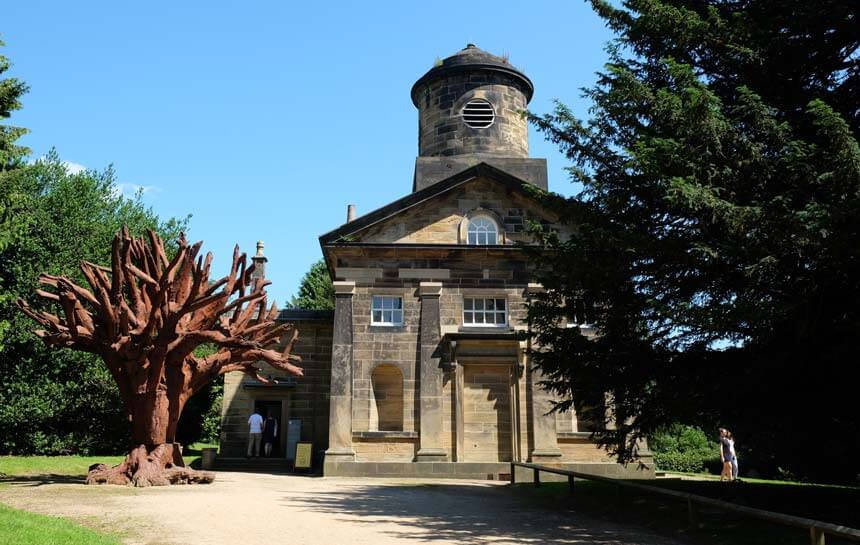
{"x": 155, "y": 458}
{"x": 144, "y": 316}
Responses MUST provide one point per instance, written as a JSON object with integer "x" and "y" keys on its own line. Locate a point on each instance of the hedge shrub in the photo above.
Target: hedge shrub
{"x": 684, "y": 448}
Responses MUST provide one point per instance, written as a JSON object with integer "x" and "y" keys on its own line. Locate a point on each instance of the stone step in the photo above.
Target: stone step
{"x": 251, "y": 465}
{"x": 255, "y": 462}
{"x": 266, "y": 470}
{"x": 254, "y": 459}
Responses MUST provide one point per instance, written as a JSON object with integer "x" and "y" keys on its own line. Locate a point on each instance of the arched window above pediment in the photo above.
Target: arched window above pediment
{"x": 481, "y": 228}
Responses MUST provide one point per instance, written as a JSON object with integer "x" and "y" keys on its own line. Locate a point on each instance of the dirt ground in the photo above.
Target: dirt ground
{"x": 251, "y": 509}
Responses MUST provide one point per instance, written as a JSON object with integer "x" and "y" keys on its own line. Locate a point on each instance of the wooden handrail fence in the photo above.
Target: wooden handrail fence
{"x": 817, "y": 529}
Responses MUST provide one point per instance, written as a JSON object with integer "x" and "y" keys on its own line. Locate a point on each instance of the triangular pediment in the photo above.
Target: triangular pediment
{"x": 436, "y": 214}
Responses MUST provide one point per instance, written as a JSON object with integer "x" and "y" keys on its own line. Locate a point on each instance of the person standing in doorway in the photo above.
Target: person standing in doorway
{"x": 270, "y": 431}
{"x": 255, "y": 433}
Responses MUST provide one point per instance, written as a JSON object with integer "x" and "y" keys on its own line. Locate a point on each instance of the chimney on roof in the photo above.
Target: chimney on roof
{"x": 350, "y": 213}
{"x": 259, "y": 262}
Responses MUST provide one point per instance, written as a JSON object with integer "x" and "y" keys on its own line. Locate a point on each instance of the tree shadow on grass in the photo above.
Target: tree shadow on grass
{"x": 467, "y": 514}
{"x": 41, "y": 480}
{"x": 828, "y": 503}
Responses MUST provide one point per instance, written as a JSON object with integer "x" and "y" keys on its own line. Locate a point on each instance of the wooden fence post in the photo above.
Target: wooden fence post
{"x": 817, "y": 529}
{"x": 691, "y": 514}
{"x": 816, "y": 536}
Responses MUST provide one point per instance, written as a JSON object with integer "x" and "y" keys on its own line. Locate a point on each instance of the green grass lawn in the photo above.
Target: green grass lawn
{"x": 716, "y": 478}
{"x": 668, "y": 516}
{"x": 196, "y": 449}
{"x": 22, "y": 528}
{"x": 827, "y": 503}
{"x": 12, "y": 466}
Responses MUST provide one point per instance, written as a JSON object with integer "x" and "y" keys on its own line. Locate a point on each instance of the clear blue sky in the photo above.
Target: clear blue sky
{"x": 265, "y": 119}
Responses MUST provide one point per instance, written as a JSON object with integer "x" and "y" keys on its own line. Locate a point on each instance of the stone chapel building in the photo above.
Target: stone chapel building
{"x": 422, "y": 367}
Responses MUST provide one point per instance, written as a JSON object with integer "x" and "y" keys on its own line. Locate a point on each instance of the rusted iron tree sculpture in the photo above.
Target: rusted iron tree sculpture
{"x": 144, "y": 316}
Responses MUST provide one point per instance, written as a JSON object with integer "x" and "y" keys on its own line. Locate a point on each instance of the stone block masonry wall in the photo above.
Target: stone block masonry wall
{"x": 486, "y": 275}
{"x": 307, "y": 400}
{"x": 385, "y": 449}
{"x": 235, "y": 410}
{"x": 373, "y": 346}
{"x": 430, "y": 170}
{"x": 569, "y": 422}
{"x": 491, "y": 381}
{"x": 385, "y": 348}
{"x": 442, "y": 132}
{"x": 582, "y": 449}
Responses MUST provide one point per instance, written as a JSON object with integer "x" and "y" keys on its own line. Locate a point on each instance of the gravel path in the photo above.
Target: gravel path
{"x": 251, "y": 509}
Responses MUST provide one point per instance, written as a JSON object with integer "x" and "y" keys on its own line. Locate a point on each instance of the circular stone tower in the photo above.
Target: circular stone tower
{"x": 471, "y": 104}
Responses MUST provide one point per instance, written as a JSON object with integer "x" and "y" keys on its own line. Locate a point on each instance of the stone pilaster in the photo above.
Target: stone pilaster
{"x": 544, "y": 431}
{"x": 519, "y": 431}
{"x": 430, "y": 421}
{"x": 545, "y": 435}
{"x": 459, "y": 407}
{"x": 340, "y": 415}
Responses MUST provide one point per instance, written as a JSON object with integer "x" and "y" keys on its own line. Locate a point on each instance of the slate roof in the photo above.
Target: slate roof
{"x": 472, "y": 59}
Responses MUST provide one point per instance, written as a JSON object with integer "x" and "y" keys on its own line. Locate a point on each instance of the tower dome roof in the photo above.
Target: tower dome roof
{"x": 473, "y": 59}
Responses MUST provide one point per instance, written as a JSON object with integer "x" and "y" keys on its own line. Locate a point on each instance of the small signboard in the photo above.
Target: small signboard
{"x": 303, "y": 455}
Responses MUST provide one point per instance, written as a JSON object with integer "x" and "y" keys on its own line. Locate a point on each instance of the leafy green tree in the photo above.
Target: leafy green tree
{"x": 58, "y": 401}
{"x": 201, "y": 418}
{"x": 718, "y": 230}
{"x": 210, "y": 427}
{"x": 316, "y": 291}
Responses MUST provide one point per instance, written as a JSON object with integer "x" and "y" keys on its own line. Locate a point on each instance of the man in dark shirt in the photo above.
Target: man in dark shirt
{"x": 270, "y": 431}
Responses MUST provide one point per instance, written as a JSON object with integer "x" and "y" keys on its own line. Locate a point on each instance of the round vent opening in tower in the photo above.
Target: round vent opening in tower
{"x": 478, "y": 114}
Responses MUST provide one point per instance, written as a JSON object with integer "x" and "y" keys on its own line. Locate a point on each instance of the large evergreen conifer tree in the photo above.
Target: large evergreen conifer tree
{"x": 718, "y": 230}
{"x": 11, "y": 91}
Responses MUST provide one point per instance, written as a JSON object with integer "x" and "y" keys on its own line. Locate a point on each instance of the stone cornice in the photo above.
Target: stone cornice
{"x": 430, "y": 289}
{"x": 344, "y": 288}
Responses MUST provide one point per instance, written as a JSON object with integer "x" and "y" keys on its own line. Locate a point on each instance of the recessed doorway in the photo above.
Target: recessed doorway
{"x": 487, "y": 413}
{"x": 266, "y": 408}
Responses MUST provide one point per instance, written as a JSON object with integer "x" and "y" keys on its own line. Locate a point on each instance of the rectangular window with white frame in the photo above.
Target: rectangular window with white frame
{"x": 386, "y": 310}
{"x": 485, "y": 311}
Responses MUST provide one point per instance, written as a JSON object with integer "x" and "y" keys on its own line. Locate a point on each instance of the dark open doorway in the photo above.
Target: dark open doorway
{"x": 266, "y": 408}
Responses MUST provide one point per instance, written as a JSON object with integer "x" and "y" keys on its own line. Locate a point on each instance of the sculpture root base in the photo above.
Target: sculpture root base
{"x": 159, "y": 465}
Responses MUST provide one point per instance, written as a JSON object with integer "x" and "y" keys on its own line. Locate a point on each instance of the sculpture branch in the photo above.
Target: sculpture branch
{"x": 144, "y": 315}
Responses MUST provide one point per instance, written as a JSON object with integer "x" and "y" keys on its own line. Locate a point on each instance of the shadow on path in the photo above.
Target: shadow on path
{"x": 461, "y": 513}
